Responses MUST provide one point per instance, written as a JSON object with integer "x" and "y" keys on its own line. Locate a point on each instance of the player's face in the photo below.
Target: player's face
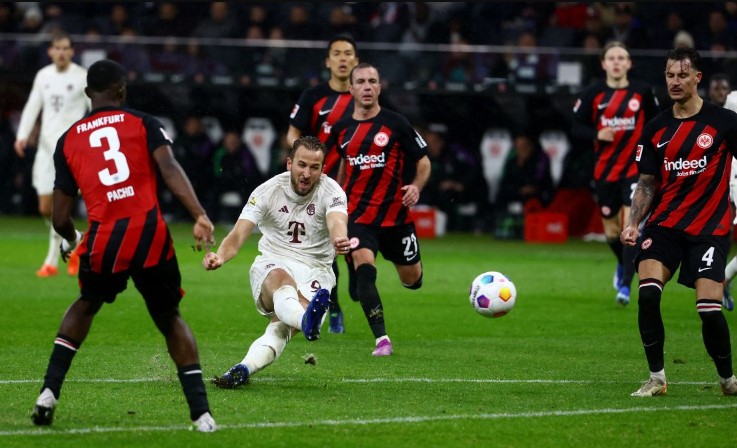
{"x": 616, "y": 63}
{"x": 305, "y": 169}
{"x": 681, "y": 79}
{"x": 366, "y": 87}
{"x": 718, "y": 91}
{"x": 61, "y": 53}
{"x": 341, "y": 59}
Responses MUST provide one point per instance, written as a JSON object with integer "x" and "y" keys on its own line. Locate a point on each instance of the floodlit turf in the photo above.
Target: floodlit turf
{"x": 557, "y": 371}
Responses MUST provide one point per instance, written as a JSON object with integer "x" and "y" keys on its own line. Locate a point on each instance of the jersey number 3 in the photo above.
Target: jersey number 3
{"x": 122, "y": 171}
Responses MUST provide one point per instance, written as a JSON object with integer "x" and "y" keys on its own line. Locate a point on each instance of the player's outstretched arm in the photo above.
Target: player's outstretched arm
{"x": 338, "y": 230}
{"x": 230, "y": 246}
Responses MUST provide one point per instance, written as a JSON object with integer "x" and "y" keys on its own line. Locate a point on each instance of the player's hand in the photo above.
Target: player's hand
{"x": 342, "y": 245}
{"x": 67, "y": 247}
{"x": 629, "y": 235}
{"x": 20, "y": 147}
{"x": 203, "y": 233}
{"x": 411, "y": 195}
{"x": 211, "y": 261}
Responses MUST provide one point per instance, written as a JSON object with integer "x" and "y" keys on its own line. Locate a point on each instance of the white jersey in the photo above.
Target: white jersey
{"x": 61, "y": 99}
{"x": 294, "y": 226}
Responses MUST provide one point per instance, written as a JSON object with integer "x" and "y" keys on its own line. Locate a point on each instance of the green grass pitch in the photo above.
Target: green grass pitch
{"x": 556, "y": 371}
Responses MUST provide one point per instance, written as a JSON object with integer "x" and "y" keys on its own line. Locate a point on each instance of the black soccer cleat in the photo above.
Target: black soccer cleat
{"x": 43, "y": 411}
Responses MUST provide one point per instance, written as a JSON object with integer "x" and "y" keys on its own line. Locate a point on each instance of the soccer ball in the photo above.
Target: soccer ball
{"x": 492, "y": 294}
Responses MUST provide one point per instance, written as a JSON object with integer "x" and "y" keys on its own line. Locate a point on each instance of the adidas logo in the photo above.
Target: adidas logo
{"x": 284, "y": 209}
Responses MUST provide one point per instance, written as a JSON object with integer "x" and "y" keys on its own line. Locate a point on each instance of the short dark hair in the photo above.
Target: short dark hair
{"x": 105, "y": 74}
{"x": 682, "y": 53}
{"x": 363, "y": 65}
{"x": 310, "y": 143}
{"x": 717, "y": 77}
{"x": 342, "y": 38}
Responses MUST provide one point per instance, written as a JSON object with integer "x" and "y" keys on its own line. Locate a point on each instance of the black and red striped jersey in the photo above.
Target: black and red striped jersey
{"x": 317, "y": 109}
{"x": 691, "y": 160}
{"x": 626, "y": 110}
{"x": 108, "y": 157}
{"x": 380, "y": 156}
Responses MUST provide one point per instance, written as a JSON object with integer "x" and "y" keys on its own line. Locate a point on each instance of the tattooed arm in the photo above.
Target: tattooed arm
{"x": 641, "y": 202}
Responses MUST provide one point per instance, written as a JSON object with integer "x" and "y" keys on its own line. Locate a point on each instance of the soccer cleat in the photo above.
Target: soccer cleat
{"x": 727, "y": 302}
{"x": 729, "y": 386}
{"x": 312, "y": 319}
{"x": 237, "y": 376}
{"x": 43, "y": 412}
{"x": 73, "y": 263}
{"x": 47, "y": 271}
{"x": 383, "y": 348}
{"x": 623, "y": 295}
{"x": 336, "y": 322}
{"x": 617, "y": 280}
{"x": 204, "y": 424}
{"x": 653, "y": 388}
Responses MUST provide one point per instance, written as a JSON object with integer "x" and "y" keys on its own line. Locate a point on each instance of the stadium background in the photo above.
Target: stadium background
{"x": 481, "y": 70}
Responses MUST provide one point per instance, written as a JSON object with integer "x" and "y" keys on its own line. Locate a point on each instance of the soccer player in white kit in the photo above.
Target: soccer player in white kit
{"x": 302, "y": 215}
{"x": 58, "y": 94}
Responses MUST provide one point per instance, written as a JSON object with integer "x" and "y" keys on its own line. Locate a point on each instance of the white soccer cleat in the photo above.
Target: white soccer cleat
{"x": 43, "y": 412}
{"x": 653, "y": 388}
{"x": 729, "y": 386}
{"x": 204, "y": 424}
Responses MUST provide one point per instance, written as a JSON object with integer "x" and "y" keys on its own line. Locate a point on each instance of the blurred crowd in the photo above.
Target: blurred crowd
{"x": 708, "y": 26}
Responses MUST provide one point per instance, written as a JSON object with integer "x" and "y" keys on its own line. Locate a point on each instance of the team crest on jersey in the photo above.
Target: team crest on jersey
{"x": 606, "y": 211}
{"x": 647, "y": 243}
{"x": 705, "y": 141}
{"x": 638, "y": 153}
{"x": 381, "y": 139}
{"x": 311, "y": 209}
{"x": 634, "y": 105}
{"x": 326, "y": 127}
{"x": 295, "y": 109}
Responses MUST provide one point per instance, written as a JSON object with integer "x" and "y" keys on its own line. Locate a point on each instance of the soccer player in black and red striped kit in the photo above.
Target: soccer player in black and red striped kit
{"x": 111, "y": 156}
{"x": 384, "y": 167}
{"x": 317, "y": 109}
{"x": 612, "y": 113}
{"x": 683, "y": 158}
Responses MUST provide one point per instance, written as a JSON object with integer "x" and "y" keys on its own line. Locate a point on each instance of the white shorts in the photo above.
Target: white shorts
{"x": 308, "y": 279}
{"x": 43, "y": 173}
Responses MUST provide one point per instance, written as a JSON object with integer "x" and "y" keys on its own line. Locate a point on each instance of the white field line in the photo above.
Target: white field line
{"x": 367, "y": 380}
{"x": 377, "y": 421}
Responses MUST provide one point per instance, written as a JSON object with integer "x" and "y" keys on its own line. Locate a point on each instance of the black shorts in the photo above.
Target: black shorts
{"x": 397, "y": 244}
{"x": 701, "y": 256}
{"x": 160, "y": 285}
{"x": 611, "y": 196}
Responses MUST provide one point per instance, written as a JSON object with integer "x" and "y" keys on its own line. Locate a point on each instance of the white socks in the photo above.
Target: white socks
{"x": 659, "y": 375}
{"x": 731, "y": 270}
{"x": 266, "y": 349}
{"x": 287, "y": 306}
{"x": 52, "y": 256}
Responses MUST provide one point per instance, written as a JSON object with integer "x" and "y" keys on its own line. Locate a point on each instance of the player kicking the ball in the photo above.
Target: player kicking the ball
{"x": 302, "y": 215}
